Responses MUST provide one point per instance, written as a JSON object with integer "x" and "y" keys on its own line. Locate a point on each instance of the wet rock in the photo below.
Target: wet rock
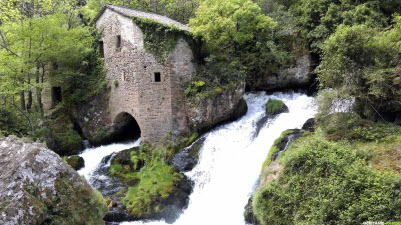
{"x": 205, "y": 113}
{"x": 76, "y": 162}
{"x": 309, "y": 125}
{"x": 187, "y": 158}
{"x": 38, "y": 187}
{"x": 172, "y": 207}
{"x": 249, "y": 215}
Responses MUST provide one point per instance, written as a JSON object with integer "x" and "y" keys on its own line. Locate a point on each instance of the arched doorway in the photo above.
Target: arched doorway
{"x": 125, "y": 128}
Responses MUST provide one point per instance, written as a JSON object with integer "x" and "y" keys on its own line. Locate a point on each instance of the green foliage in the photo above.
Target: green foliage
{"x": 159, "y": 38}
{"x": 151, "y": 184}
{"x": 236, "y": 32}
{"x": 274, "y": 107}
{"x": 12, "y": 123}
{"x": 349, "y": 126}
{"x": 328, "y": 183}
{"x": 320, "y": 18}
{"x": 180, "y": 10}
{"x": 156, "y": 183}
{"x": 274, "y": 149}
{"x": 358, "y": 62}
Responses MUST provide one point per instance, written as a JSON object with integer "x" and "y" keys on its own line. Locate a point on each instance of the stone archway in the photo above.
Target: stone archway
{"x": 125, "y": 127}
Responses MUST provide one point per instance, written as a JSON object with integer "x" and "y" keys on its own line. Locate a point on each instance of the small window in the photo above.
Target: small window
{"x": 158, "y": 77}
{"x": 56, "y": 95}
{"x": 118, "y": 43}
{"x": 55, "y": 65}
{"x": 101, "y": 48}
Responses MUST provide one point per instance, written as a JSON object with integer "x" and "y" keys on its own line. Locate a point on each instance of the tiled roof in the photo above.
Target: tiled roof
{"x": 132, "y": 12}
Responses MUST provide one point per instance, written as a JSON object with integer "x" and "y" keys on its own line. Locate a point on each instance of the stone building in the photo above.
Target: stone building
{"x": 142, "y": 86}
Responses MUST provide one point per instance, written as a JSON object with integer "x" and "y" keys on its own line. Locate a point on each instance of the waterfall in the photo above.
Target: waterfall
{"x": 231, "y": 159}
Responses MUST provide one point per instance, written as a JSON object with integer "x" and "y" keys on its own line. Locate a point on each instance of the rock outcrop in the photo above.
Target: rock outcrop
{"x": 205, "y": 113}
{"x": 38, "y": 187}
{"x": 297, "y": 75}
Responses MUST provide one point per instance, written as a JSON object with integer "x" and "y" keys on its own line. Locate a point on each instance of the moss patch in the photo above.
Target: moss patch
{"x": 62, "y": 138}
{"x": 76, "y": 162}
{"x": 274, "y": 107}
{"x": 275, "y": 148}
{"x": 159, "y": 38}
{"x": 73, "y": 204}
{"x": 150, "y": 179}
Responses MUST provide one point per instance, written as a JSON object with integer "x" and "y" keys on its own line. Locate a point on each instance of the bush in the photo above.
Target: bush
{"x": 274, "y": 107}
{"x": 328, "y": 183}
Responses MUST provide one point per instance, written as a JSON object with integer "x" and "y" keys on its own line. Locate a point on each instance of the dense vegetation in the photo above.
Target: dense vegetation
{"x": 345, "y": 173}
{"x": 327, "y": 182}
{"x": 150, "y": 179}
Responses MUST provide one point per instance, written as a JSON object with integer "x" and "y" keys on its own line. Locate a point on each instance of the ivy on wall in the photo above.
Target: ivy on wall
{"x": 160, "y": 39}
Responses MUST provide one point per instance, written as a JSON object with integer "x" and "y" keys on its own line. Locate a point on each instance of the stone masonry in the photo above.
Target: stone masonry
{"x": 140, "y": 85}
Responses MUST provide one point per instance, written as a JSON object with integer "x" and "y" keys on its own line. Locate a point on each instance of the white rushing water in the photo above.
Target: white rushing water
{"x": 231, "y": 159}
{"x": 93, "y": 156}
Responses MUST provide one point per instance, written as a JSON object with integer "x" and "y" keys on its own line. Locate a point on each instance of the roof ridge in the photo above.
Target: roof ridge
{"x": 128, "y": 12}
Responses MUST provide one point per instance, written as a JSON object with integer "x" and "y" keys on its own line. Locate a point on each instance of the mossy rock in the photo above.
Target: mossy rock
{"x": 76, "y": 162}
{"x": 63, "y": 137}
{"x": 123, "y": 166}
{"x": 274, "y": 107}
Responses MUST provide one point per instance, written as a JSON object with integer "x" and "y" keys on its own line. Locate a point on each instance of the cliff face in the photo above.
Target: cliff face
{"x": 205, "y": 113}
{"x": 297, "y": 75}
{"x": 37, "y": 186}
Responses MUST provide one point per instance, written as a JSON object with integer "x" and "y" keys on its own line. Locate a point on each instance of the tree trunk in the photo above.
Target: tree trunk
{"x": 29, "y": 104}
{"x": 22, "y": 99}
{"x": 38, "y": 89}
{"x": 39, "y": 96}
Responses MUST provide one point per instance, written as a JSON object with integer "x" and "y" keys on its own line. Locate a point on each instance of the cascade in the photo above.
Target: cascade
{"x": 229, "y": 163}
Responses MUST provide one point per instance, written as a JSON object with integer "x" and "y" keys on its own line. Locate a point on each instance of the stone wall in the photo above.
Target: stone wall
{"x": 130, "y": 72}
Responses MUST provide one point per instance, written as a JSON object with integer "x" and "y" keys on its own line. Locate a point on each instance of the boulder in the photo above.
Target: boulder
{"x": 76, "y": 162}
{"x": 38, "y": 187}
{"x": 187, "y": 158}
{"x": 250, "y": 217}
{"x": 274, "y": 107}
{"x": 309, "y": 125}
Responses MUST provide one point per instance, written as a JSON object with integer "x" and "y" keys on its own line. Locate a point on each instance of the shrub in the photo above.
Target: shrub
{"x": 324, "y": 182}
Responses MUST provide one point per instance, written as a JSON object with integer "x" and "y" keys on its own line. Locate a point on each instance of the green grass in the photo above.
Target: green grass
{"x": 274, "y": 106}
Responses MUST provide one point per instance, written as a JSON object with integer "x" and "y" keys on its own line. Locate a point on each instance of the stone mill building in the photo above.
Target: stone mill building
{"x": 142, "y": 86}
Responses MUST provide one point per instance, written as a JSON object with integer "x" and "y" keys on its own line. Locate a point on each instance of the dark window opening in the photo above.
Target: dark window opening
{"x": 55, "y": 65}
{"x": 56, "y": 95}
{"x": 101, "y": 48}
{"x": 158, "y": 77}
{"x": 118, "y": 44}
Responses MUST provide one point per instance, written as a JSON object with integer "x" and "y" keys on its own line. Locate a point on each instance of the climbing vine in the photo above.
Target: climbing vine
{"x": 160, "y": 39}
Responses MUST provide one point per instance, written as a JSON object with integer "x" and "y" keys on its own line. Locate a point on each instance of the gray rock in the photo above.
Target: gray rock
{"x": 37, "y": 186}
{"x": 187, "y": 158}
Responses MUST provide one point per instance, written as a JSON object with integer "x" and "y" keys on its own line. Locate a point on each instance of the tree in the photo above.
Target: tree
{"x": 180, "y": 10}
{"x": 238, "y": 32}
{"x": 363, "y": 63}
{"x": 320, "y": 18}
{"x": 34, "y": 46}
